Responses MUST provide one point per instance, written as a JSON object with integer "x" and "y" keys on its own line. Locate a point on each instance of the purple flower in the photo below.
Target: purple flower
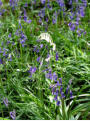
{"x": 60, "y": 80}
{"x": 1, "y": 62}
{"x": 41, "y": 14}
{"x": 67, "y": 89}
{"x": 62, "y": 95}
{"x": 70, "y": 82}
{"x": 8, "y": 42}
{"x": 26, "y": 5}
{"x": 54, "y": 21}
{"x": 41, "y": 45}
{"x": 49, "y": 6}
{"x": 29, "y": 21}
{"x": 43, "y": 1}
{"x": 53, "y": 89}
{"x": 58, "y": 103}
{"x": 55, "y": 98}
{"x": 76, "y": 1}
{"x": 32, "y": 70}
{"x": 13, "y": 114}
{"x": 57, "y": 56}
{"x": 1, "y": 3}
{"x": 84, "y": 2}
{"x": 71, "y": 94}
{"x": 72, "y": 26}
{"x": 58, "y": 84}
{"x": 61, "y": 3}
{"x": 81, "y": 11}
{"x": 25, "y": 18}
{"x": 46, "y": 19}
{"x": 77, "y": 23}
{"x": 10, "y": 58}
{"x": 54, "y": 76}
{"x": 9, "y": 35}
{"x": 23, "y": 38}
{"x": 35, "y": 48}
{"x": 13, "y": 3}
{"x": 54, "y": 18}
{"x": 40, "y": 20}
{"x": 0, "y": 50}
{"x": 49, "y": 76}
{"x": 38, "y": 59}
{"x": 61, "y": 88}
{"x": 57, "y": 91}
{"x": 5, "y": 102}
{"x": 70, "y": 2}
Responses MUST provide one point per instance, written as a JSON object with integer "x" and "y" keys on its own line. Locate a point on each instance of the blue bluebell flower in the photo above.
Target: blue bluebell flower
{"x": 57, "y": 56}
{"x": 5, "y": 102}
{"x": 58, "y": 102}
{"x": 13, "y": 114}
{"x": 71, "y": 94}
{"x": 43, "y": 1}
{"x": 38, "y": 59}
{"x": 1, "y": 62}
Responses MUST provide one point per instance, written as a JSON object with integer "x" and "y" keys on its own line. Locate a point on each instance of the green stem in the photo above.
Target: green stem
{"x": 63, "y": 110}
{"x": 21, "y": 51}
{"x": 2, "y": 89}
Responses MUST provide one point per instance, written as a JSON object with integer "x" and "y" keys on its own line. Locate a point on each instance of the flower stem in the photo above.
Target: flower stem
{"x": 63, "y": 110}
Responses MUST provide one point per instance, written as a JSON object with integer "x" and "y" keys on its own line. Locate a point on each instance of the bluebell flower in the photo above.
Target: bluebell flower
{"x": 58, "y": 103}
{"x": 67, "y": 89}
{"x": 49, "y": 6}
{"x": 26, "y": 5}
{"x": 29, "y": 21}
{"x": 43, "y": 1}
{"x": 10, "y": 58}
{"x": 0, "y": 50}
{"x": 49, "y": 76}
{"x": 58, "y": 84}
{"x": 58, "y": 90}
{"x": 8, "y": 42}
{"x": 55, "y": 98}
{"x": 1, "y": 62}
{"x": 72, "y": 26}
{"x": 40, "y": 20}
{"x": 1, "y": 3}
{"x": 53, "y": 89}
{"x": 60, "y": 80}
{"x": 62, "y": 95}
{"x": 54, "y": 77}
{"x": 54, "y": 18}
{"x": 71, "y": 94}
{"x": 9, "y": 35}
{"x": 46, "y": 19}
{"x": 13, "y": 3}
{"x": 61, "y": 89}
{"x": 38, "y": 59}
{"x": 13, "y": 114}
{"x": 23, "y": 38}
{"x": 32, "y": 70}
{"x": 5, "y": 102}
{"x": 61, "y": 3}
{"x": 57, "y": 56}
{"x": 41, "y": 45}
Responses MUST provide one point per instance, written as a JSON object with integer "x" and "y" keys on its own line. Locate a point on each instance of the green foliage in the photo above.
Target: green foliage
{"x": 32, "y": 98}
